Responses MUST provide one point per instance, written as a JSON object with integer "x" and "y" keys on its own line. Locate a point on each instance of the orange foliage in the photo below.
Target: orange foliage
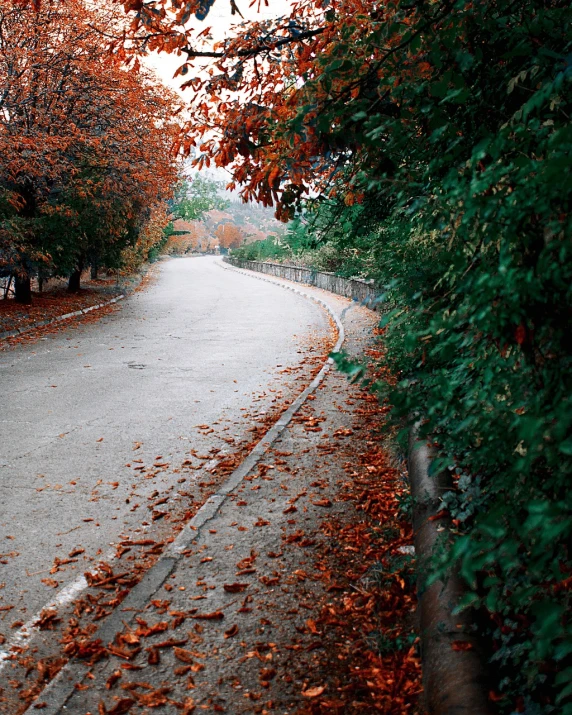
{"x": 229, "y": 235}
{"x": 264, "y": 109}
{"x": 80, "y": 134}
{"x": 284, "y": 105}
{"x": 190, "y": 237}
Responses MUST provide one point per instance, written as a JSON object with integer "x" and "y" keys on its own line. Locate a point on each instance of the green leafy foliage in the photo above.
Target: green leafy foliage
{"x": 326, "y": 236}
{"x": 481, "y": 265}
{"x": 459, "y": 151}
{"x": 195, "y": 198}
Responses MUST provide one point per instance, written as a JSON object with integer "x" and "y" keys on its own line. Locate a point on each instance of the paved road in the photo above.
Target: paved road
{"x": 274, "y": 641}
{"x": 199, "y": 346}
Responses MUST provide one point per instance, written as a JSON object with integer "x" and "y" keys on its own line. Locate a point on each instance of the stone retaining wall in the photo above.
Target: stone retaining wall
{"x": 359, "y": 290}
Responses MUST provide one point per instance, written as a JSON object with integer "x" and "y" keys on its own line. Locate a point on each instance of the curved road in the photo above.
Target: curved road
{"x": 90, "y": 410}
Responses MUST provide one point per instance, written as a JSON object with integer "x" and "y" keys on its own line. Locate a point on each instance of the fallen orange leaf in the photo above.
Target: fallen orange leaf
{"x": 313, "y": 692}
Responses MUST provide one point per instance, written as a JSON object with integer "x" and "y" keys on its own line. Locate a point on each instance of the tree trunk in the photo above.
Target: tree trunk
{"x": 23, "y": 289}
{"x": 94, "y": 268}
{"x": 74, "y": 281}
{"x": 7, "y": 287}
{"x": 455, "y": 682}
{"x": 75, "y": 277}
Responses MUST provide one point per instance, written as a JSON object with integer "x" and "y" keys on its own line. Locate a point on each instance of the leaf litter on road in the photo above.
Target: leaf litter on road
{"x": 347, "y": 600}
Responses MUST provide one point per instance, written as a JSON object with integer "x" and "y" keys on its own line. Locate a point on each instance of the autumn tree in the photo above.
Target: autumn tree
{"x": 185, "y": 236}
{"x": 84, "y": 144}
{"x": 229, "y": 235}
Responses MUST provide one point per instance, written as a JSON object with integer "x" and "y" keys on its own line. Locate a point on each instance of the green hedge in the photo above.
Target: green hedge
{"x": 475, "y": 165}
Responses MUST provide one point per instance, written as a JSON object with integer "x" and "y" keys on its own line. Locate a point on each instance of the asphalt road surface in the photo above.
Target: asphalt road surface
{"x": 88, "y": 411}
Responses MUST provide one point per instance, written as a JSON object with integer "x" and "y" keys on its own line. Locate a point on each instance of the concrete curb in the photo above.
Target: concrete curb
{"x": 41, "y": 323}
{"x": 62, "y": 687}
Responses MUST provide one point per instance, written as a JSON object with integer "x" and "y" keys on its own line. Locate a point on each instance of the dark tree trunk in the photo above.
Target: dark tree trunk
{"x": 40, "y": 282}
{"x": 75, "y": 278}
{"x": 94, "y": 268}
{"x": 7, "y": 287}
{"x": 74, "y": 281}
{"x": 22, "y": 284}
{"x": 22, "y": 289}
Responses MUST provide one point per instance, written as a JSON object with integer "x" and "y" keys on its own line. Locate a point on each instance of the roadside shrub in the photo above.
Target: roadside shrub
{"x": 476, "y": 255}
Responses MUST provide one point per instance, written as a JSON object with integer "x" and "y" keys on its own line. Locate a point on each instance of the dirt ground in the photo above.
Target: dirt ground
{"x": 55, "y": 300}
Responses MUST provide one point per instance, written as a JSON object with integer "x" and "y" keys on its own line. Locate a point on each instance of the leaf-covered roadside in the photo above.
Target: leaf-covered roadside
{"x": 374, "y": 614}
{"x": 298, "y": 596}
{"x": 55, "y": 302}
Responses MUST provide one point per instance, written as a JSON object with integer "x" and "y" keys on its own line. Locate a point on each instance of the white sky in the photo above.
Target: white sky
{"x": 221, "y": 21}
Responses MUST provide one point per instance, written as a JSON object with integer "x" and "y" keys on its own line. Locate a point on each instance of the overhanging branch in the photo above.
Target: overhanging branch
{"x": 257, "y": 49}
